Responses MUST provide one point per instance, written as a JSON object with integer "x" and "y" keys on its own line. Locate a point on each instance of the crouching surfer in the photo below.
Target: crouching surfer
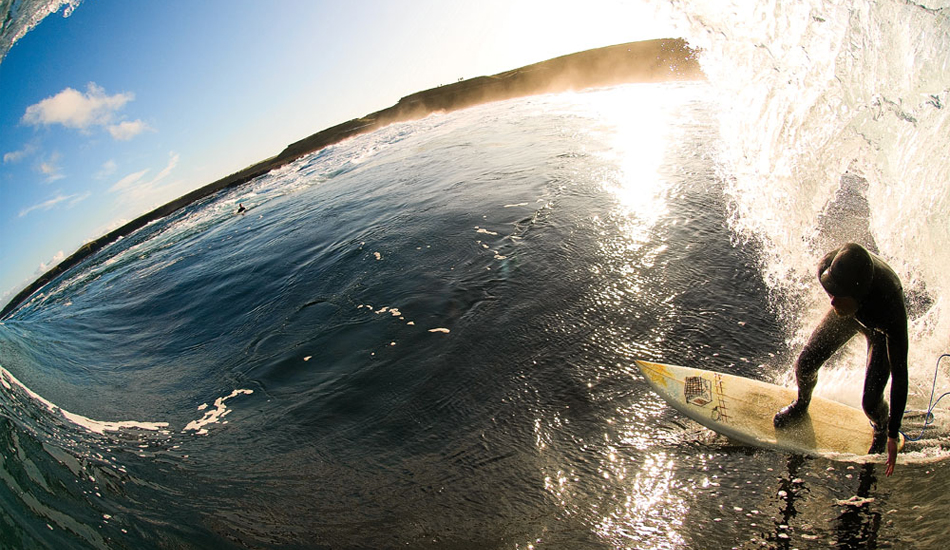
{"x": 866, "y": 297}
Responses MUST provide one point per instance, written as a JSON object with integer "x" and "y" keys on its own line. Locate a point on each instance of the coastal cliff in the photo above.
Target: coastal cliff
{"x": 647, "y": 61}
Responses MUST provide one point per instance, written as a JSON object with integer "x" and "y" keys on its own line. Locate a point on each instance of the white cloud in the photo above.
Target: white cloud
{"x": 124, "y": 131}
{"x": 107, "y": 169}
{"x": 53, "y": 262}
{"x": 137, "y": 179}
{"x": 172, "y": 163}
{"x": 128, "y": 181}
{"x": 14, "y": 156}
{"x": 51, "y": 171}
{"x": 46, "y": 205}
{"x": 83, "y": 111}
{"x": 75, "y": 109}
{"x": 17, "y": 156}
{"x": 147, "y": 189}
{"x": 50, "y": 168}
{"x": 58, "y": 199}
{"x": 79, "y": 197}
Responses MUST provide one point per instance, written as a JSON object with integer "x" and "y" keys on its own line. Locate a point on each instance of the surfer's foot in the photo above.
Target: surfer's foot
{"x": 879, "y": 443}
{"x": 791, "y": 414}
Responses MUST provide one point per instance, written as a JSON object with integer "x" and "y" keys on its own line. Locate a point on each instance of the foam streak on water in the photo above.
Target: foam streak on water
{"x": 10, "y": 382}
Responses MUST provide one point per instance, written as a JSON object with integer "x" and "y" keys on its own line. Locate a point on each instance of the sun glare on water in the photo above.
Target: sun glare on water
{"x": 636, "y": 123}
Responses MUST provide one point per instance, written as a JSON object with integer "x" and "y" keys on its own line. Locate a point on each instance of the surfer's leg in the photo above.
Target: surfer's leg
{"x": 875, "y": 379}
{"x": 831, "y": 333}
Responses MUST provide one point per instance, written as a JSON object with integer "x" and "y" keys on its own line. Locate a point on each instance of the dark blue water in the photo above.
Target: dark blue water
{"x": 423, "y": 337}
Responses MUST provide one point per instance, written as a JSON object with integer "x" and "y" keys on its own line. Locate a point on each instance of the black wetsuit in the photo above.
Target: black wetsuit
{"x": 882, "y": 318}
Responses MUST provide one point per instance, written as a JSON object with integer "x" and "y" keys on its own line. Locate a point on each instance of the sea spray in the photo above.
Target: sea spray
{"x": 810, "y": 92}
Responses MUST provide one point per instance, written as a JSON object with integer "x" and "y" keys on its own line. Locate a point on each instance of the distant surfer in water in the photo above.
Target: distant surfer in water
{"x": 866, "y": 297}
{"x": 241, "y": 208}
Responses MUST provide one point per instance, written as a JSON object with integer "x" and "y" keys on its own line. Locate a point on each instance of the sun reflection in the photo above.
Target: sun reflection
{"x": 637, "y": 122}
{"x": 639, "y": 130}
{"x": 649, "y": 511}
{"x": 620, "y": 483}
{"x": 624, "y": 483}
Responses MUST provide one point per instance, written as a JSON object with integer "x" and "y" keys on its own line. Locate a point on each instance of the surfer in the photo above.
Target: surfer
{"x": 866, "y": 297}
{"x": 241, "y": 208}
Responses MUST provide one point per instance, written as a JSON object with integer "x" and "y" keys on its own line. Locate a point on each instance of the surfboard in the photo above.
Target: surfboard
{"x": 742, "y": 409}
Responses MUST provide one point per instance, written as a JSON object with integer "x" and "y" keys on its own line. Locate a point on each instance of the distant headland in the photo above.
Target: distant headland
{"x": 635, "y": 62}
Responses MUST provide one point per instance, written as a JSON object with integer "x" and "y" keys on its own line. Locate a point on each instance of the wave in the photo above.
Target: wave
{"x": 834, "y": 124}
{"x": 11, "y": 384}
{"x": 21, "y": 16}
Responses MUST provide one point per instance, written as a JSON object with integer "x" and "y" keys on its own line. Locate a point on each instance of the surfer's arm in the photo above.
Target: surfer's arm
{"x": 897, "y": 355}
{"x": 892, "y": 445}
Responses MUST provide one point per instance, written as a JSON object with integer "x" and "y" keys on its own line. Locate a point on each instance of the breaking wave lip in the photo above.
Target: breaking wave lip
{"x": 21, "y": 17}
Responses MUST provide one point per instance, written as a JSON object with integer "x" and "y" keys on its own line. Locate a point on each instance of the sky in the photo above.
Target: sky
{"x": 124, "y": 106}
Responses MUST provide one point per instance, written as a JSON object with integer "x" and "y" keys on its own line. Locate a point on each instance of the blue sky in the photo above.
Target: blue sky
{"x": 124, "y": 106}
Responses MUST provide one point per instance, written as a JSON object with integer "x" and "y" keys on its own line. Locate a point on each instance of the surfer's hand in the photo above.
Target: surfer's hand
{"x": 891, "y": 456}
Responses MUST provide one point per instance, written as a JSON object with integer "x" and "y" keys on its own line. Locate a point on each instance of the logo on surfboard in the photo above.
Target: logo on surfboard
{"x": 697, "y": 391}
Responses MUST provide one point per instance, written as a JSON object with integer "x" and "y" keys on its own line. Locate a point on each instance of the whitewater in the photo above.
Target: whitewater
{"x": 424, "y": 336}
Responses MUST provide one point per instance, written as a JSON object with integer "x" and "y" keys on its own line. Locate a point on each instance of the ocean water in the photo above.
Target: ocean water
{"x": 424, "y": 336}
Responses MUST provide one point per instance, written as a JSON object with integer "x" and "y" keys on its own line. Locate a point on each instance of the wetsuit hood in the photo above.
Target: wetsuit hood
{"x": 850, "y": 272}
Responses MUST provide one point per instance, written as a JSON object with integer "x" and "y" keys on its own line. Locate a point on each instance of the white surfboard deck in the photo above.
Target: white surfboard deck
{"x": 743, "y": 409}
